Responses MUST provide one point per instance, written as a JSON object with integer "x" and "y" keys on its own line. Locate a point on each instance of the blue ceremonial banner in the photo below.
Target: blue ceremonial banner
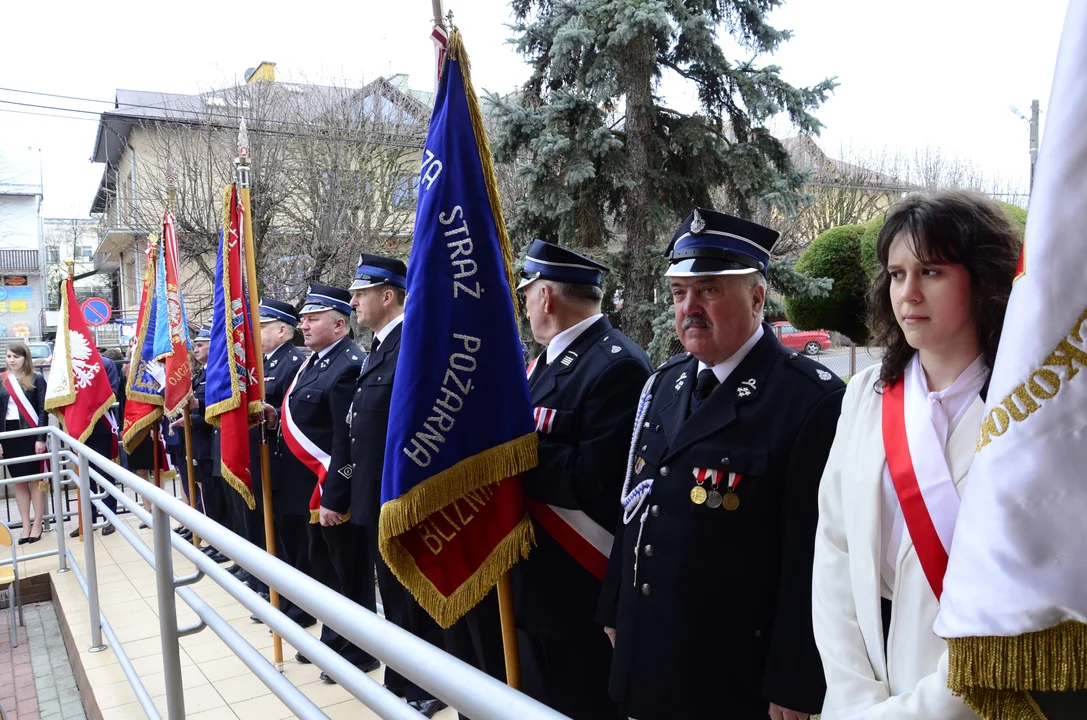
{"x": 162, "y": 344}
{"x": 146, "y": 378}
{"x": 453, "y": 518}
{"x": 219, "y": 381}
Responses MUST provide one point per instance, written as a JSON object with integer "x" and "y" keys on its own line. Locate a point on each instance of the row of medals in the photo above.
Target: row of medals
{"x": 729, "y": 501}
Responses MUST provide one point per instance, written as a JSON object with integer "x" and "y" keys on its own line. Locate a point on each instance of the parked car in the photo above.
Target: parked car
{"x": 809, "y": 342}
{"x": 42, "y": 355}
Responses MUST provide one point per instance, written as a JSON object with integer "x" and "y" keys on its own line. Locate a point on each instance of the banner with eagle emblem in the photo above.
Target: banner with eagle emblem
{"x": 78, "y": 392}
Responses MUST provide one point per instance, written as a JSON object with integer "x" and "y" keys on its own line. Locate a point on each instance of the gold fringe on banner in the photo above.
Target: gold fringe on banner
{"x": 447, "y": 610}
{"x": 995, "y": 675}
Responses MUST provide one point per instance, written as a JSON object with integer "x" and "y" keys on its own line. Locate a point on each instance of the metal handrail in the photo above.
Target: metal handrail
{"x": 462, "y": 686}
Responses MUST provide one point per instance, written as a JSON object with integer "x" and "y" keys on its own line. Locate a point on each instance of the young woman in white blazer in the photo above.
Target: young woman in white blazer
{"x": 906, "y": 437}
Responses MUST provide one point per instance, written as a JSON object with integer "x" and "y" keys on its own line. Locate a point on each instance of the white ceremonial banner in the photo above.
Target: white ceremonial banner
{"x": 1019, "y": 558}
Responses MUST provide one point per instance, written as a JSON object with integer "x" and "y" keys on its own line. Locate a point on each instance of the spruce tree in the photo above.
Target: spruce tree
{"x": 607, "y": 165}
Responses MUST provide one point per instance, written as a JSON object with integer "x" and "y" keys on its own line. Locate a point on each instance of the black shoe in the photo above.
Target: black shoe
{"x": 186, "y": 534}
{"x": 233, "y": 569}
{"x": 180, "y": 529}
{"x": 244, "y": 577}
{"x": 265, "y": 596}
{"x": 143, "y": 526}
{"x": 427, "y": 708}
{"x": 108, "y": 530}
{"x": 34, "y": 539}
{"x": 74, "y": 533}
{"x": 366, "y": 668}
{"x": 301, "y": 658}
{"x": 24, "y": 541}
{"x": 257, "y": 620}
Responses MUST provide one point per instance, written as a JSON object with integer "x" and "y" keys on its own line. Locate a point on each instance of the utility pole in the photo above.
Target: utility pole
{"x": 1034, "y": 116}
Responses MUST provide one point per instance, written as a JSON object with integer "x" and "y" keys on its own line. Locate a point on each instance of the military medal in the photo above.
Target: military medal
{"x": 698, "y": 493}
{"x": 731, "y": 500}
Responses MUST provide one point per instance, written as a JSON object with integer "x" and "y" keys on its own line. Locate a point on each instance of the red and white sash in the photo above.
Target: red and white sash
{"x": 307, "y": 451}
{"x": 26, "y": 409}
{"x": 577, "y": 533}
{"x": 918, "y": 468}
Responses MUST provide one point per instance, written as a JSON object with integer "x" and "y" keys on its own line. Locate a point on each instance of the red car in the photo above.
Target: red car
{"x": 809, "y": 342}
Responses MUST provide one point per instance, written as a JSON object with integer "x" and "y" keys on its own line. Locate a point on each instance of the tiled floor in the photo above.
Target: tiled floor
{"x": 217, "y": 683}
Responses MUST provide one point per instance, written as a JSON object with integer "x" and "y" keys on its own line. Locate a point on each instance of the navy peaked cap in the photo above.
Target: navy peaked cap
{"x": 322, "y": 298}
{"x": 377, "y": 270}
{"x": 204, "y": 334}
{"x": 278, "y": 311}
{"x": 551, "y": 262}
{"x": 715, "y": 243}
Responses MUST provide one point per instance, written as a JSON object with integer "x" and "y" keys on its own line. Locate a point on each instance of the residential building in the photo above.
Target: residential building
{"x": 334, "y": 171}
{"x": 21, "y": 244}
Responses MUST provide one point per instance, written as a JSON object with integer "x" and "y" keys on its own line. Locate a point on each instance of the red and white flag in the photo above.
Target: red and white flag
{"x": 1014, "y": 606}
{"x": 78, "y": 393}
{"x": 178, "y": 387}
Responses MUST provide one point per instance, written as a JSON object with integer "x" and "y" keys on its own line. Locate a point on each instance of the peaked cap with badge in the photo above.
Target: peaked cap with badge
{"x": 546, "y": 261}
{"x": 277, "y": 311}
{"x": 205, "y": 333}
{"x": 374, "y": 270}
{"x": 715, "y": 243}
{"x": 713, "y": 557}
{"x": 322, "y": 298}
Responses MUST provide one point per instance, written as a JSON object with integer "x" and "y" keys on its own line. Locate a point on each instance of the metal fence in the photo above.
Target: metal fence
{"x": 471, "y": 691}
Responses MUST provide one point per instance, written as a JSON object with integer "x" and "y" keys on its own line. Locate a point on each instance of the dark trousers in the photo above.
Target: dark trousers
{"x": 569, "y": 673}
{"x": 323, "y": 544}
{"x": 477, "y": 639}
{"x": 211, "y": 492}
{"x": 402, "y": 610}
{"x": 246, "y": 523}
{"x": 100, "y": 443}
{"x": 292, "y": 547}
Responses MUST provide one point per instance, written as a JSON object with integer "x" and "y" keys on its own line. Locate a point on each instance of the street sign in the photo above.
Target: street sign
{"x": 96, "y": 311}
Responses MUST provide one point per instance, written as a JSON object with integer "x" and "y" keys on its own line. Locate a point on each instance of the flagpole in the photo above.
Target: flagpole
{"x": 78, "y": 499}
{"x": 186, "y": 413}
{"x": 241, "y": 164}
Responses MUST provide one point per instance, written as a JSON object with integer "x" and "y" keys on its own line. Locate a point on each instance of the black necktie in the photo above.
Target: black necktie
{"x": 704, "y": 385}
{"x": 375, "y": 345}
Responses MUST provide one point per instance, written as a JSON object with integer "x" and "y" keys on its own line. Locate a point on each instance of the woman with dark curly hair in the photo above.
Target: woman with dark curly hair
{"x": 906, "y": 437}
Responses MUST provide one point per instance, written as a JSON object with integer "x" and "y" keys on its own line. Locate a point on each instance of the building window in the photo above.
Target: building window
{"x": 52, "y": 254}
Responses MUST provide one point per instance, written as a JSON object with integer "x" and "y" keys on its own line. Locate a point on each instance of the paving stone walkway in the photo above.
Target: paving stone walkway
{"x": 36, "y": 680}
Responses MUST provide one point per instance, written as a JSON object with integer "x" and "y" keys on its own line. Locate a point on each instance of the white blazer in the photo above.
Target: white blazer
{"x": 909, "y": 680}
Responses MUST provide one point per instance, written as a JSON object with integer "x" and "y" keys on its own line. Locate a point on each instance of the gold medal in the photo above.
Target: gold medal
{"x": 730, "y": 501}
{"x": 639, "y": 466}
{"x": 698, "y": 494}
{"x": 713, "y": 499}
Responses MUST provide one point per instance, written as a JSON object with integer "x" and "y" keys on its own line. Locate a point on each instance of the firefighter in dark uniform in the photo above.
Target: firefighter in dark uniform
{"x": 313, "y": 429}
{"x": 353, "y": 499}
{"x": 102, "y": 440}
{"x": 708, "y": 591}
{"x": 278, "y": 322}
{"x": 205, "y": 462}
{"x": 585, "y": 387}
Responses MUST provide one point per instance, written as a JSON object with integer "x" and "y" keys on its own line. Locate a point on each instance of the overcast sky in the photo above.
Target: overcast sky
{"x": 937, "y": 73}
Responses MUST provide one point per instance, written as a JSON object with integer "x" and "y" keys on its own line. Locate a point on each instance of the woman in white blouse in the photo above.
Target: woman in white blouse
{"x": 906, "y": 436}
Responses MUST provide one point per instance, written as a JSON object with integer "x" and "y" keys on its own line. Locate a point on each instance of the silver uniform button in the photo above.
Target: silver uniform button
{"x": 655, "y": 511}
{"x": 665, "y": 471}
{"x": 646, "y": 590}
{"x": 648, "y": 551}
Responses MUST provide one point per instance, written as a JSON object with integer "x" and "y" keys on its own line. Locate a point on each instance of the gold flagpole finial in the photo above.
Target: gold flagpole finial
{"x": 71, "y": 268}
{"x": 171, "y": 190}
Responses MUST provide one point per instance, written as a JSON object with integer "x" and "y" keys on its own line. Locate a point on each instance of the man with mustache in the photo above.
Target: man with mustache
{"x": 707, "y": 597}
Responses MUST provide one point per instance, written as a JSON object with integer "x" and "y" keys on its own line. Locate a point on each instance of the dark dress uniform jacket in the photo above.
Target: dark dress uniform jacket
{"x": 201, "y": 430}
{"x": 593, "y": 387}
{"x": 280, "y": 367}
{"x": 717, "y": 622}
{"x": 319, "y": 405}
{"x": 360, "y": 488}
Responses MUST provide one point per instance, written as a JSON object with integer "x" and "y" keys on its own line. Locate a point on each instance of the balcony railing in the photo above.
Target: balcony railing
{"x": 21, "y": 260}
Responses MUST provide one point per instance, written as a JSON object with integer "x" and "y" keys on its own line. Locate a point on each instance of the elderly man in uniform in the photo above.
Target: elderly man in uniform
{"x": 708, "y": 593}
{"x": 314, "y": 428}
{"x": 352, "y": 500}
{"x": 278, "y": 322}
{"x": 585, "y": 387}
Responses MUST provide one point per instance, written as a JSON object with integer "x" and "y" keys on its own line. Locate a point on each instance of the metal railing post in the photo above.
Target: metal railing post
{"x": 88, "y": 554}
{"x": 164, "y": 581}
{"x": 58, "y": 506}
